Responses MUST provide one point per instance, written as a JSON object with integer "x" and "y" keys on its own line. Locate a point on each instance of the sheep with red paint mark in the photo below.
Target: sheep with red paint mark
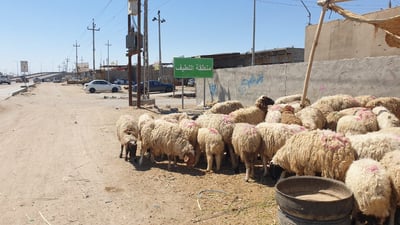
{"x": 273, "y": 137}
{"x": 363, "y": 121}
{"x": 211, "y": 143}
{"x": 316, "y": 152}
{"x": 246, "y": 143}
{"x": 370, "y": 183}
{"x": 374, "y": 145}
{"x": 391, "y": 162}
{"x": 190, "y": 130}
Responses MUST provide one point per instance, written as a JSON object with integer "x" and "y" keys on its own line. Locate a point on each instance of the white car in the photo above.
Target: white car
{"x": 101, "y": 86}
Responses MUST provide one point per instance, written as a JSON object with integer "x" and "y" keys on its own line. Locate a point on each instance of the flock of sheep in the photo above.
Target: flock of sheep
{"x": 352, "y": 139}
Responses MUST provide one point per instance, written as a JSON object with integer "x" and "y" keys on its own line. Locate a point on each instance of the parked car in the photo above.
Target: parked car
{"x": 120, "y": 81}
{"x": 4, "y": 79}
{"x": 154, "y": 85}
{"x": 101, "y": 86}
{"x": 191, "y": 82}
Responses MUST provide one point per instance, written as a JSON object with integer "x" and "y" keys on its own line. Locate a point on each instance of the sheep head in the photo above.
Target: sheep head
{"x": 263, "y": 101}
{"x": 189, "y": 159}
{"x": 288, "y": 108}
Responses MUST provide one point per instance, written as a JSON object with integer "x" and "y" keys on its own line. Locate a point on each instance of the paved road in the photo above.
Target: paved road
{"x": 8, "y": 90}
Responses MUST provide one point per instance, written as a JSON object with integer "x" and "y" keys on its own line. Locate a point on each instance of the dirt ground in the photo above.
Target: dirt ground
{"x": 59, "y": 164}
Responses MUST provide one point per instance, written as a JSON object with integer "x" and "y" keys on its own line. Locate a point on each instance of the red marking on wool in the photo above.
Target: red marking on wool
{"x": 364, "y": 114}
{"x": 250, "y": 130}
{"x": 191, "y": 124}
{"x": 333, "y": 141}
{"x": 227, "y": 119}
{"x": 213, "y": 130}
{"x": 373, "y": 169}
{"x": 276, "y": 107}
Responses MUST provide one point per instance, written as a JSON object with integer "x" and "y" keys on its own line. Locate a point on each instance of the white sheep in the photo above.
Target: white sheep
{"x": 364, "y": 99}
{"x": 293, "y": 100}
{"x": 374, "y": 145}
{"x": 224, "y": 124}
{"x": 288, "y": 99}
{"x": 338, "y": 102}
{"x": 332, "y": 119}
{"x": 311, "y": 118}
{"x": 253, "y": 114}
{"x": 316, "y": 151}
{"x": 211, "y": 143}
{"x": 175, "y": 117}
{"x": 144, "y": 118}
{"x": 164, "y": 137}
{"x": 246, "y": 142}
{"x": 370, "y": 184}
{"x": 324, "y": 108}
{"x": 361, "y": 122}
{"x": 127, "y": 133}
{"x": 390, "y": 130}
{"x": 385, "y": 118}
{"x": 225, "y": 107}
{"x": 190, "y": 129}
{"x": 391, "y": 162}
{"x": 273, "y": 137}
{"x": 390, "y": 103}
{"x": 274, "y": 114}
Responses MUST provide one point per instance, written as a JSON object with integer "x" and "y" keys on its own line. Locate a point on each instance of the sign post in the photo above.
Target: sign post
{"x": 194, "y": 68}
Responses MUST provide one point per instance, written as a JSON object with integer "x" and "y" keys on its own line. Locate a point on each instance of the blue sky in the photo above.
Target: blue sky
{"x": 43, "y": 32}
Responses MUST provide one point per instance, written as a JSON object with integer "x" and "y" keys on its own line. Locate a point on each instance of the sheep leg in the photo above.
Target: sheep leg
{"x": 142, "y": 151}
{"x": 209, "y": 162}
{"x": 122, "y": 149}
{"x": 234, "y": 159}
{"x": 169, "y": 162}
{"x": 198, "y": 154}
{"x": 392, "y": 214}
{"x": 218, "y": 160}
{"x": 264, "y": 161}
{"x": 127, "y": 152}
{"x": 248, "y": 172}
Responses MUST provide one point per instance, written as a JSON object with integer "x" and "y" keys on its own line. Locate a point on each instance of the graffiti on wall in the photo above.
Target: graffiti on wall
{"x": 247, "y": 83}
{"x": 213, "y": 90}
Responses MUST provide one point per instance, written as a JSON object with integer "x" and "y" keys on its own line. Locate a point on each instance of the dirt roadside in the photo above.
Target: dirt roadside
{"x": 59, "y": 164}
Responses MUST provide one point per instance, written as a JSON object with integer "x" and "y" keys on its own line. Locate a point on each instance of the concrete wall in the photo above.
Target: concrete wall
{"x": 341, "y": 39}
{"x": 379, "y": 76}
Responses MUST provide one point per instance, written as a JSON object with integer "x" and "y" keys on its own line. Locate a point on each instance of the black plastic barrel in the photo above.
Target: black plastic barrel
{"x": 313, "y": 200}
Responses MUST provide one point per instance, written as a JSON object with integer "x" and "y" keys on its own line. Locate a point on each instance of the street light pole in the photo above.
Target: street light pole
{"x": 254, "y": 33}
{"x": 159, "y": 42}
{"x": 108, "y": 59}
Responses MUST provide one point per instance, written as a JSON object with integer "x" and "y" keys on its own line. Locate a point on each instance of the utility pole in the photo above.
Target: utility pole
{"x": 254, "y": 34}
{"x": 108, "y": 59}
{"x": 76, "y": 46}
{"x": 93, "y": 29}
{"x": 139, "y": 63}
{"x": 67, "y": 60}
{"x": 159, "y": 41}
{"x": 146, "y": 48}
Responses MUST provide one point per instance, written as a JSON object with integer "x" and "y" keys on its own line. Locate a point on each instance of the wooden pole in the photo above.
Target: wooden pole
{"x": 312, "y": 52}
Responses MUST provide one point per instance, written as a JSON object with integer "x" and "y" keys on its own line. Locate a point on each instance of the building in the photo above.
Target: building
{"x": 345, "y": 39}
{"x": 266, "y": 57}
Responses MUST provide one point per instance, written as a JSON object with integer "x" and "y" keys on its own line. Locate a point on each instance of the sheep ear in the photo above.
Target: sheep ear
{"x": 189, "y": 159}
{"x": 186, "y": 158}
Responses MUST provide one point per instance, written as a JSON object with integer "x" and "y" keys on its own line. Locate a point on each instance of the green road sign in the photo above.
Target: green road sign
{"x": 193, "y": 67}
